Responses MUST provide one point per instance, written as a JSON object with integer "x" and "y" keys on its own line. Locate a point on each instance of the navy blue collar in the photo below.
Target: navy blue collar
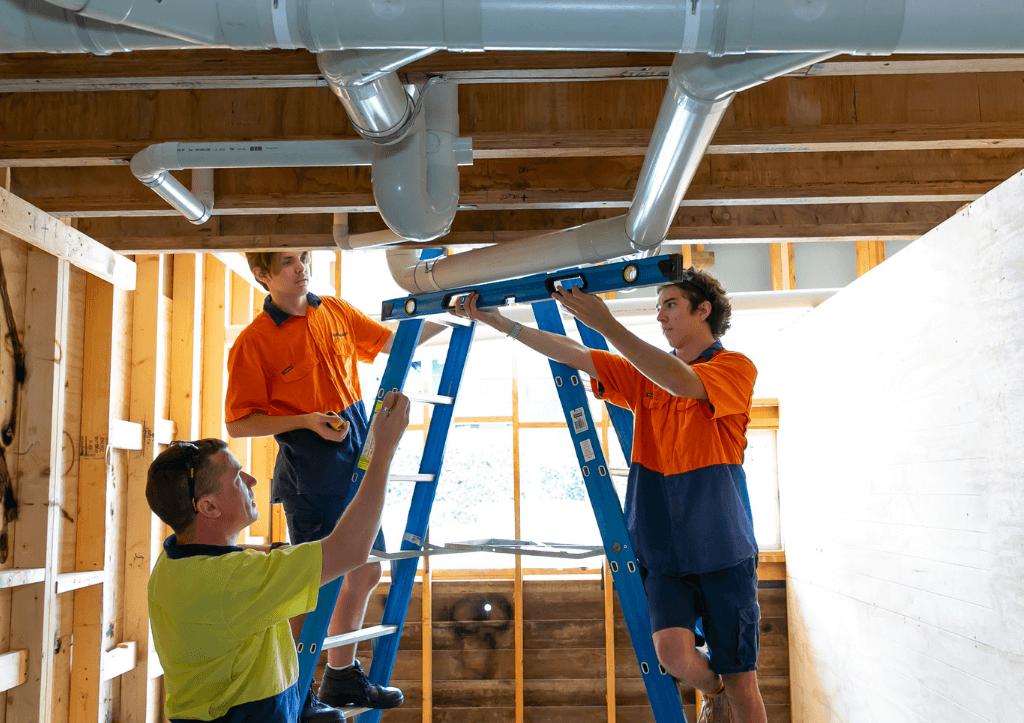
{"x": 180, "y": 552}
{"x": 279, "y": 316}
{"x": 710, "y": 351}
{"x": 707, "y": 353}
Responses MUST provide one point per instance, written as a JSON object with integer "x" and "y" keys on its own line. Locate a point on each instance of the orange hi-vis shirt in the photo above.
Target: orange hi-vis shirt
{"x": 686, "y": 500}
{"x": 284, "y": 365}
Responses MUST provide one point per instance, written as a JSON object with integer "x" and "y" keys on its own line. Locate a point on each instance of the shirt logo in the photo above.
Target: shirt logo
{"x": 345, "y": 333}
{"x": 287, "y": 370}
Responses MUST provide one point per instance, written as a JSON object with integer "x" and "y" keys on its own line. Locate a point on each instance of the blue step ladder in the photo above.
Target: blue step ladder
{"x": 536, "y": 290}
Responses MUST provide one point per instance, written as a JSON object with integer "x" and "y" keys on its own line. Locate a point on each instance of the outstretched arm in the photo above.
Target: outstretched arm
{"x": 553, "y": 346}
{"x": 348, "y": 546}
{"x": 666, "y": 370}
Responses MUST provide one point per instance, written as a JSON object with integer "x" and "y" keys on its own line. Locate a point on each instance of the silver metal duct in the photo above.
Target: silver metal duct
{"x": 377, "y": 105}
{"x": 715, "y": 27}
{"x": 700, "y": 89}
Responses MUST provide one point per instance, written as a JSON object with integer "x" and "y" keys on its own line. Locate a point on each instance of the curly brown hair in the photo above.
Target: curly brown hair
{"x": 167, "y": 482}
{"x": 698, "y": 286}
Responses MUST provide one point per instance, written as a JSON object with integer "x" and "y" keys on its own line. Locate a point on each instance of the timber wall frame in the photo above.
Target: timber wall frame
{"x": 116, "y": 351}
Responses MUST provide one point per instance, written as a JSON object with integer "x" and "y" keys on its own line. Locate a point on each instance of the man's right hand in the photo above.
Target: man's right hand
{"x": 390, "y": 421}
{"x": 466, "y": 307}
{"x": 321, "y": 424}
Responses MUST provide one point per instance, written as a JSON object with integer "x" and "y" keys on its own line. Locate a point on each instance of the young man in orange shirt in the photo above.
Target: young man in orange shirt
{"x": 288, "y": 371}
{"x": 686, "y": 501}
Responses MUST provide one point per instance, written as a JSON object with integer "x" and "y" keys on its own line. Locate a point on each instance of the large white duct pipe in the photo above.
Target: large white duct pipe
{"x": 685, "y": 126}
{"x": 416, "y": 180}
{"x": 590, "y": 243}
{"x": 31, "y": 27}
{"x": 715, "y": 27}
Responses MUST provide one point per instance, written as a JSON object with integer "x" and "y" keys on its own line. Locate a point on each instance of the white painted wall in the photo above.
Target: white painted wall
{"x": 901, "y": 455}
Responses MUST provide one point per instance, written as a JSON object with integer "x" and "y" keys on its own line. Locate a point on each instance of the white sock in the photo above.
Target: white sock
{"x": 344, "y": 667}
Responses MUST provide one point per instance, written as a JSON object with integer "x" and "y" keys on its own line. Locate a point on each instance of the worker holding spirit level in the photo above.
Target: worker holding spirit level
{"x": 686, "y": 501}
{"x": 293, "y": 374}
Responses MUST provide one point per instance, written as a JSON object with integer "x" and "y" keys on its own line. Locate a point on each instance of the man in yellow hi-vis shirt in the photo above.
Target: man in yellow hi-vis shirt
{"x": 220, "y": 613}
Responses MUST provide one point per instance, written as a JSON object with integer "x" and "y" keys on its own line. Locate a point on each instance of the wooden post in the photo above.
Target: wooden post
{"x": 40, "y": 484}
{"x": 140, "y": 696}
{"x": 783, "y": 266}
{"x": 214, "y": 322}
{"x": 92, "y": 500}
{"x": 186, "y": 344}
{"x": 517, "y": 585}
{"x": 869, "y": 255}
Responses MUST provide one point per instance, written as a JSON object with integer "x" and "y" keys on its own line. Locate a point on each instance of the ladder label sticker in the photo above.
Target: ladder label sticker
{"x": 588, "y": 450}
{"x": 579, "y": 420}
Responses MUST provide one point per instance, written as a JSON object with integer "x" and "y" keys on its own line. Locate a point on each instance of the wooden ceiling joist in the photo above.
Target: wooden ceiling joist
{"x": 734, "y": 224}
{"x": 225, "y": 69}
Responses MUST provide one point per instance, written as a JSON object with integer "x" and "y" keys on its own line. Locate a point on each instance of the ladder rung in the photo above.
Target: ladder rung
{"x": 449, "y": 320}
{"x": 429, "y": 398}
{"x": 619, "y": 471}
{"x": 412, "y": 477}
{"x": 357, "y": 636}
{"x": 350, "y": 713}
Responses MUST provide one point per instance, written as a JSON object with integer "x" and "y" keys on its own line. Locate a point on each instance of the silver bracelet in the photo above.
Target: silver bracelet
{"x": 516, "y": 328}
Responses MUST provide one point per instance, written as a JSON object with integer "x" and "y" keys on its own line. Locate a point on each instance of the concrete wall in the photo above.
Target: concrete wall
{"x": 901, "y": 455}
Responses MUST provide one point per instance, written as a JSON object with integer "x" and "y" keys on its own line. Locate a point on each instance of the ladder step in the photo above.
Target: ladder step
{"x": 619, "y": 471}
{"x": 449, "y": 320}
{"x": 412, "y": 477}
{"x": 350, "y": 713}
{"x": 357, "y": 636}
{"x": 429, "y": 398}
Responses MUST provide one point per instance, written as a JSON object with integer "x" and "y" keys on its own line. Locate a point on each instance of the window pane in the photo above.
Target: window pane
{"x": 555, "y": 505}
{"x": 763, "y": 487}
{"x": 474, "y": 496}
{"x": 486, "y": 389}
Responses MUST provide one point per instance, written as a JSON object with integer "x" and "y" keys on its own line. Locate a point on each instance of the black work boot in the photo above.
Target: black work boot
{"x": 313, "y": 711}
{"x": 351, "y": 687}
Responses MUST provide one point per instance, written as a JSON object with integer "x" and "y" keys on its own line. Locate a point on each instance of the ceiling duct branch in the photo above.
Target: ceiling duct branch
{"x": 369, "y": 89}
{"x": 700, "y": 89}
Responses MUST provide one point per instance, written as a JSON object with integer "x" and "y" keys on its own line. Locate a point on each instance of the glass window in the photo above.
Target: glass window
{"x": 763, "y": 487}
{"x": 555, "y": 506}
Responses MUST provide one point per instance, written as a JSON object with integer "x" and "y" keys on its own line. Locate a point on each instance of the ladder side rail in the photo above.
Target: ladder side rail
{"x": 314, "y": 629}
{"x": 622, "y": 419}
{"x": 396, "y": 606}
{"x": 661, "y": 689}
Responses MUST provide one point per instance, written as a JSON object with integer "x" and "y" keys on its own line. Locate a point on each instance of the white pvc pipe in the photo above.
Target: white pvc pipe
{"x": 416, "y": 180}
{"x": 151, "y": 164}
{"x": 716, "y": 27}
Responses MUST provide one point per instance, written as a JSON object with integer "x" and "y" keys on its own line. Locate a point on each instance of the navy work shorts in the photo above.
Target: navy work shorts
{"x": 313, "y": 517}
{"x": 727, "y": 602}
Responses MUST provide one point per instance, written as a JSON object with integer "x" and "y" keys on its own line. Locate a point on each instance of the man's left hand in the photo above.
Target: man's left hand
{"x": 588, "y": 308}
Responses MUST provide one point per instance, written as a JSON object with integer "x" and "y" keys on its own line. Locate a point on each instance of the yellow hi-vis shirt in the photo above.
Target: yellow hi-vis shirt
{"x": 220, "y": 623}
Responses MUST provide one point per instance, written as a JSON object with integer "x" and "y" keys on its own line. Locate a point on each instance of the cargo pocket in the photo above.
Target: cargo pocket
{"x": 749, "y": 636}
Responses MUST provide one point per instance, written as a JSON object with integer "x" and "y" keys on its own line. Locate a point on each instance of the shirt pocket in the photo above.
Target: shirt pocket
{"x": 291, "y": 374}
